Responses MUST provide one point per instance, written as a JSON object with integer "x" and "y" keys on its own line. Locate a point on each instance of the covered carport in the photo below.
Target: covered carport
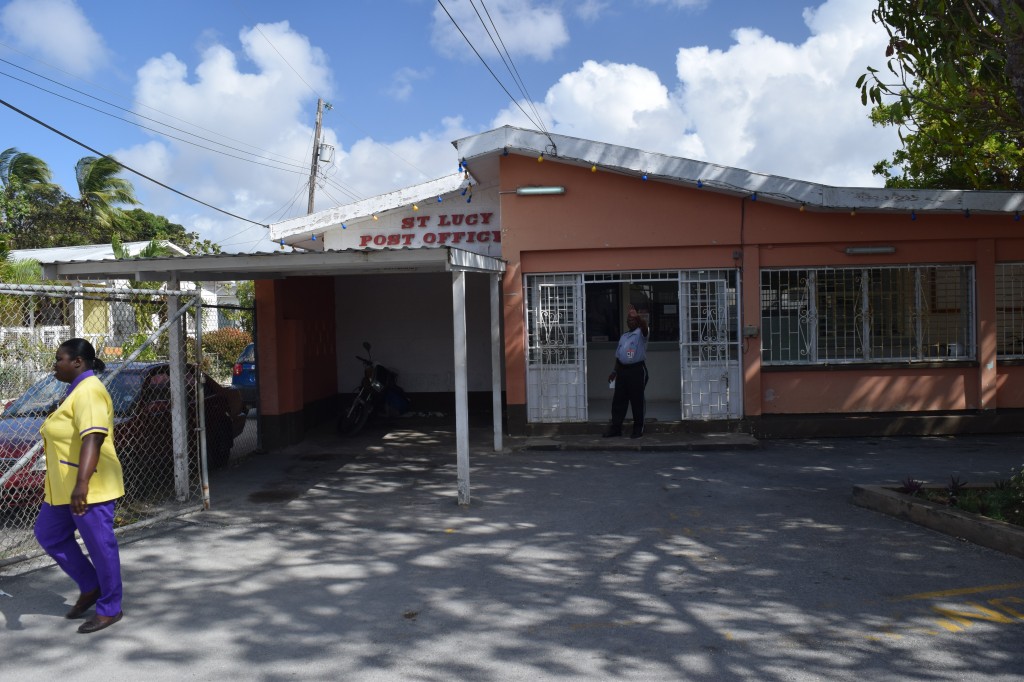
{"x": 282, "y": 266}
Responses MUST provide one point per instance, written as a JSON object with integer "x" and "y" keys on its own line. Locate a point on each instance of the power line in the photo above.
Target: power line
{"x": 489, "y": 69}
{"x": 135, "y": 102}
{"x": 510, "y": 64}
{"x": 127, "y": 168}
{"x": 158, "y": 132}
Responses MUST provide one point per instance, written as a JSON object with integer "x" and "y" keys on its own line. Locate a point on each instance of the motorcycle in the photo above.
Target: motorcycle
{"x": 377, "y": 393}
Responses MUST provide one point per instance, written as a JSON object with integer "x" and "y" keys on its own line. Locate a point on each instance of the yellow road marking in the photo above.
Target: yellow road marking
{"x": 959, "y": 591}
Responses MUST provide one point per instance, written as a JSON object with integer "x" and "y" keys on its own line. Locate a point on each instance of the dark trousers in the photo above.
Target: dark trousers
{"x": 630, "y": 381}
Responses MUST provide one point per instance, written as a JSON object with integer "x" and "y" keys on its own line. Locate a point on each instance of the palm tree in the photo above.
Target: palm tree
{"x": 18, "y": 168}
{"x": 100, "y": 190}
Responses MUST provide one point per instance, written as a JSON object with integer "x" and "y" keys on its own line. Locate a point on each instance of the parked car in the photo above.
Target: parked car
{"x": 243, "y": 376}
{"x": 142, "y": 426}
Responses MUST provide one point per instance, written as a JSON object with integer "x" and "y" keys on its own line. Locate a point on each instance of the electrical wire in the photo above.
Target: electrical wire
{"x": 158, "y": 132}
{"x": 127, "y": 168}
{"x": 488, "y": 66}
{"x": 134, "y": 102}
{"x": 509, "y": 63}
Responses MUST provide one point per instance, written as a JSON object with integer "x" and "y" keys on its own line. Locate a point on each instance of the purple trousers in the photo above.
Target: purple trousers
{"x": 55, "y": 530}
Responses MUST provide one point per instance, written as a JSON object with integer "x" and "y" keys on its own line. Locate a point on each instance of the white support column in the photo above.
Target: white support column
{"x": 179, "y": 397}
{"x": 496, "y": 350}
{"x": 461, "y": 384}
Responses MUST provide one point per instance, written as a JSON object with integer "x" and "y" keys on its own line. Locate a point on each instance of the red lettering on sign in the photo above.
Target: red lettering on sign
{"x": 472, "y": 218}
{"x": 407, "y": 223}
{"x": 379, "y": 240}
{"x": 423, "y": 220}
{"x": 457, "y": 219}
{"x": 443, "y": 237}
{"x": 364, "y": 240}
{"x": 457, "y": 237}
{"x": 485, "y": 218}
{"x": 483, "y": 236}
{"x": 429, "y": 238}
{"x": 407, "y": 239}
{"x": 470, "y": 237}
{"x": 442, "y": 221}
{"x": 497, "y": 235}
{"x": 394, "y": 239}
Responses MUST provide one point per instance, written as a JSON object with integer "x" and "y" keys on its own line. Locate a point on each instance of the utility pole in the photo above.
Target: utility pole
{"x": 316, "y": 153}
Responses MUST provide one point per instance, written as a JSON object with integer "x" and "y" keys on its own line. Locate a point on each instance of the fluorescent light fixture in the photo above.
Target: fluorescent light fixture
{"x": 868, "y": 250}
{"x": 539, "y": 191}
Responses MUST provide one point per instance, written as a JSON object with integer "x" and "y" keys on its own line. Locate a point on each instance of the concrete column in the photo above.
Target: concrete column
{"x": 179, "y": 396}
{"x": 985, "y": 286}
{"x": 461, "y": 385}
{"x": 496, "y": 350}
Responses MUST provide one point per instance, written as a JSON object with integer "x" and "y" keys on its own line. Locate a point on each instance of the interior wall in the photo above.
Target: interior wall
{"x": 407, "y": 318}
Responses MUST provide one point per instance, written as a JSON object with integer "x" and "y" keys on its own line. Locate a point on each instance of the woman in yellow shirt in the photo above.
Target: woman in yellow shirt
{"x": 83, "y": 480}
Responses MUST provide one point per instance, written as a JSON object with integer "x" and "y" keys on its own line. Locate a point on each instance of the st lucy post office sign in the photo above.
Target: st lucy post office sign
{"x": 448, "y": 223}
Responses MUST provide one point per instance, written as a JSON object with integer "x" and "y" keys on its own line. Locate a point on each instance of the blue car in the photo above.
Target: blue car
{"x": 243, "y": 377}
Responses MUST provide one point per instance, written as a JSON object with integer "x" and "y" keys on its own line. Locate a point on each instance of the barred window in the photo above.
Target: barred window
{"x": 553, "y": 319}
{"x": 1010, "y": 310}
{"x": 881, "y": 314}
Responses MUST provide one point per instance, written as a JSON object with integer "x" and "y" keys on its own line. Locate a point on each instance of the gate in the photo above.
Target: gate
{"x": 151, "y": 343}
{"x": 709, "y": 346}
{"x": 556, "y": 374}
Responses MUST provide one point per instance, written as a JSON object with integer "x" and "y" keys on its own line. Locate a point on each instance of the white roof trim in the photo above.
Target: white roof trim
{"x": 277, "y": 265}
{"x": 773, "y": 188}
{"x": 88, "y": 252}
{"x": 353, "y": 213}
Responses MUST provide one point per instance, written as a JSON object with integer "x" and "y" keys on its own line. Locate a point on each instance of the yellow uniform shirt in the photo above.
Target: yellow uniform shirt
{"x": 87, "y": 410}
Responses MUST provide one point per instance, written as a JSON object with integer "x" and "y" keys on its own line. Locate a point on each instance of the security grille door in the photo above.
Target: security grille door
{"x": 556, "y": 386}
{"x": 709, "y": 345}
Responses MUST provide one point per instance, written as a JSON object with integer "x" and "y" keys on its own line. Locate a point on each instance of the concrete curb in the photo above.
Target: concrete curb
{"x": 653, "y": 443}
{"x": 997, "y": 535}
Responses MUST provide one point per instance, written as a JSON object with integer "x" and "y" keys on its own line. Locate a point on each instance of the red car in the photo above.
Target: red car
{"x": 142, "y": 427}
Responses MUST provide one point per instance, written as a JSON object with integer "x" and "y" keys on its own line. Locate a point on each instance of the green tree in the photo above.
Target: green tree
{"x": 953, "y": 86}
{"x": 100, "y": 190}
{"x": 18, "y": 170}
{"x": 138, "y": 225}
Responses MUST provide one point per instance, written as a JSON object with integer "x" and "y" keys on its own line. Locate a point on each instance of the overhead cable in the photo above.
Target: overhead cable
{"x": 127, "y": 168}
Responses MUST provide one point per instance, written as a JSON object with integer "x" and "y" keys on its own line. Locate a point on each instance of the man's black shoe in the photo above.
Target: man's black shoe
{"x": 611, "y": 433}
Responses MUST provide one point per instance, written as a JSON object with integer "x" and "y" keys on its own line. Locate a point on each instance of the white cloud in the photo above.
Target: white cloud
{"x": 402, "y": 82}
{"x": 790, "y": 109}
{"x": 268, "y": 106}
{"x": 762, "y": 105}
{"x": 525, "y": 27}
{"x": 57, "y": 32}
{"x": 591, "y": 10}
{"x": 679, "y": 3}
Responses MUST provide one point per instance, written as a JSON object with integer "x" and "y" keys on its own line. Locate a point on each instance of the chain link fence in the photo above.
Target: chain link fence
{"x": 176, "y": 414}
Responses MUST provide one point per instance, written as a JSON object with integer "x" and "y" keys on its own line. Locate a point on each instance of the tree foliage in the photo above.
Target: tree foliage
{"x": 36, "y": 214}
{"x": 100, "y": 189}
{"x": 953, "y": 85}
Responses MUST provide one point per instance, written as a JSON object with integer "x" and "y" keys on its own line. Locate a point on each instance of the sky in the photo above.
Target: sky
{"x": 762, "y": 85}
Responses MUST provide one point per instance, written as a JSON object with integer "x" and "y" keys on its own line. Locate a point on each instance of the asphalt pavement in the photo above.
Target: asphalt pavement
{"x": 709, "y": 559}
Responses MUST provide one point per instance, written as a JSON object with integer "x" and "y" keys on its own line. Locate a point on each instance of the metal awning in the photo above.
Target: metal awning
{"x": 229, "y": 267}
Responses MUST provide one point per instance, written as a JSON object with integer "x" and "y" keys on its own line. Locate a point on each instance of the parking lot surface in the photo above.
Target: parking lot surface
{"x": 350, "y": 560}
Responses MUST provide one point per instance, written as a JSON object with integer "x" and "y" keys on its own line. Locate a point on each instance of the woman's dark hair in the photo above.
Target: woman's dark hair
{"x": 80, "y": 348}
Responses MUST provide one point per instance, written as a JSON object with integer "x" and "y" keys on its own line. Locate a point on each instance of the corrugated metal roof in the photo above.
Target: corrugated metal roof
{"x": 86, "y": 252}
{"x": 276, "y": 265}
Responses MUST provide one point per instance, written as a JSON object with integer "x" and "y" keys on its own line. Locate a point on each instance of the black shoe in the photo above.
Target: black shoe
{"x": 98, "y": 622}
{"x": 611, "y": 433}
{"x": 84, "y": 603}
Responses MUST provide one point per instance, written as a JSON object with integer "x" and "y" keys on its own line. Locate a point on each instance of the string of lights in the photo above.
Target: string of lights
{"x": 709, "y": 183}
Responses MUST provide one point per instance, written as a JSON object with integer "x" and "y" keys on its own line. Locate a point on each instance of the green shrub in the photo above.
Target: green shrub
{"x": 225, "y": 345}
